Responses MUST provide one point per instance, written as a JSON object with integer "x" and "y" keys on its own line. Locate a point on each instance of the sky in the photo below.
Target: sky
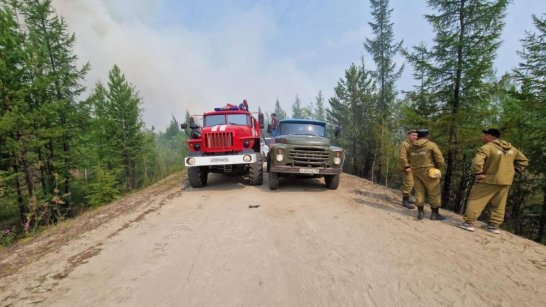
{"x": 194, "y": 55}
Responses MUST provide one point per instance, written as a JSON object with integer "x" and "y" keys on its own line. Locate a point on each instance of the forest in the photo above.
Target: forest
{"x": 60, "y": 153}
{"x": 65, "y": 149}
{"x": 456, "y": 95}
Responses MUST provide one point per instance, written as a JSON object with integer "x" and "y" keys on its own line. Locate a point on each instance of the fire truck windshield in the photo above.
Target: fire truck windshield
{"x": 223, "y": 119}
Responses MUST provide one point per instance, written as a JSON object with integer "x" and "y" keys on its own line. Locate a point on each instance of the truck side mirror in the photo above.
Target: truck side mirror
{"x": 261, "y": 120}
{"x": 184, "y": 126}
{"x": 337, "y": 131}
{"x": 194, "y": 126}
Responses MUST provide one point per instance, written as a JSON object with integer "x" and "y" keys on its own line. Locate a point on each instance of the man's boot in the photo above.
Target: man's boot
{"x": 436, "y": 216}
{"x": 406, "y": 203}
{"x": 420, "y": 212}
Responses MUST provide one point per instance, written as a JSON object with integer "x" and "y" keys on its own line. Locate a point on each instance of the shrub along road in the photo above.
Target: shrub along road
{"x": 230, "y": 244}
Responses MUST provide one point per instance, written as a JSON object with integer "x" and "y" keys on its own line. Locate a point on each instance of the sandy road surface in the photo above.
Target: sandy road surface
{"x": 303, "y": 246}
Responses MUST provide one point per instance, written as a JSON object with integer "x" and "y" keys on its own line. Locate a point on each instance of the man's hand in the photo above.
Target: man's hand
{"x": 480, "y": 177}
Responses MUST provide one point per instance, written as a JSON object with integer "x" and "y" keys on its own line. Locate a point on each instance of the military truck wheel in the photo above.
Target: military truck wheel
{"x": 273, "y": 180}
{"x": 197, "y": 177}
{"x": 256, "y": 171}
{"x": 332, "y": 181}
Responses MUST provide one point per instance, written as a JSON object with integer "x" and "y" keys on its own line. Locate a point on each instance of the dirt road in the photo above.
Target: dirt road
{"x": 302, "y": 246}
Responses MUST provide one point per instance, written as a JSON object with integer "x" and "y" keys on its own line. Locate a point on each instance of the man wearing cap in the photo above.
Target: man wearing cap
{"x": 407, "y": 185}
{"x": 425, "y": 160}
{"x": 494, "y": 166}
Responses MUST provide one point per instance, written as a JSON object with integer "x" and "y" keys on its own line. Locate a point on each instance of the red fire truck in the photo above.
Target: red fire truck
{"x": 228, "y": 142}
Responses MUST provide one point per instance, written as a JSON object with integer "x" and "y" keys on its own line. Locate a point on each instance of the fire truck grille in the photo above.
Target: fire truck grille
{"x": 219, "y": 140}
{"x": 303, "y": 156}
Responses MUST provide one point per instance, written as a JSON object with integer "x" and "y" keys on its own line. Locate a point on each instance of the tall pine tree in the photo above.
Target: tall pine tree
{"x": 457, "y": 68}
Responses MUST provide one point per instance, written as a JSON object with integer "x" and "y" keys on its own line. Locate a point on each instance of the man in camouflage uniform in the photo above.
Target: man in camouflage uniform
{"x": 494, "y": 166}
{"x": 407, "y": 185}
{"x": 425, "y": 155}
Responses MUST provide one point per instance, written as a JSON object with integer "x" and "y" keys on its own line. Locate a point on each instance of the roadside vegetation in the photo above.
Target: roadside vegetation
{"x": 61, "y": 154}
{"x": 64, "y": 148}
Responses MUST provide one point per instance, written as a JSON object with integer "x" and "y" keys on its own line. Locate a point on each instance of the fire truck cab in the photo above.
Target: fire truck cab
{"x": 228, "y": 142}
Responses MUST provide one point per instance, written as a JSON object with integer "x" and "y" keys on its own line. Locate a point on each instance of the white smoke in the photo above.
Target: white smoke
{"x": 176, "y": 69}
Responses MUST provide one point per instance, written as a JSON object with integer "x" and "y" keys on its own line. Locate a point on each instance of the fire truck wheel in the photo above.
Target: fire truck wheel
{"x": 273, "y": 180}
{"x": 256, "y": 171}
{"x": 332, "y": 181}
{"x": 197, "y": 177}
{"x": 204, "y": 175}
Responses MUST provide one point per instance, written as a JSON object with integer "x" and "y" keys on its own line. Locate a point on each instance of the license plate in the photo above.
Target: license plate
{"x": 217, "y": 160}
{"x": 309, "y": 171}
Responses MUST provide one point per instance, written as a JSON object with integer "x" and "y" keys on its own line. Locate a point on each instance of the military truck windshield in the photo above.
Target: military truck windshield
{"x": 303, "y": 129}
{"x": 223, "y": 119}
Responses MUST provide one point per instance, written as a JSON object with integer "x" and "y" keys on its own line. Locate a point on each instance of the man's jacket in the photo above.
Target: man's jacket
{"x": 425, "y": 154}
{"x": 498, "y": 160}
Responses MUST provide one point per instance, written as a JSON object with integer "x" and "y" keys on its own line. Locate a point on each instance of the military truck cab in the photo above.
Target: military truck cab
{"x": 303, "y": 149}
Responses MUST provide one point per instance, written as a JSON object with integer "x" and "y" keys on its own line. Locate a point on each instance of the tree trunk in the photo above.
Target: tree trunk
{"x": 20, "y": 201}
{"x": 452, "y": 152}
{"x": 542, "y": 223}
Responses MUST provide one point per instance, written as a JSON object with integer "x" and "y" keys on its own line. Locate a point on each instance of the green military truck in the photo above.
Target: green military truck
{"x": 303, "y": 149}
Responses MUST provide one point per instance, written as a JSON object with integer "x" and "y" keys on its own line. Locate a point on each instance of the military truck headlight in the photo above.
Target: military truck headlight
{"x": 246, "y": 143}
{"x": 247, "y": 158}
{"x": 197, "y": 146}
{"x": 280, "y": 157}
{"x": 337, "y": 157}
{"x": 190, "y": 161}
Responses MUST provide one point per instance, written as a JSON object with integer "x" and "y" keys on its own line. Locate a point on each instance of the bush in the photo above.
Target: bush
{"x": 104, "y": 188}
{"x": 7, "y": 236}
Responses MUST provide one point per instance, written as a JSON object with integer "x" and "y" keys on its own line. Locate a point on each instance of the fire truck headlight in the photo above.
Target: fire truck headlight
{"x": 246, "y": 143}
{"x": 337, "y": 161}
{"x": 197, "y": 146}
{"x": 247, "y": 158}
{"x": 190, "y": 161}
{"x": 279, "y": 157}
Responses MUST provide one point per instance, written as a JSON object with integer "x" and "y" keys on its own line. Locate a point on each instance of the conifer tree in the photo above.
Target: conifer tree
{"x": 281, "y": 114}
{"x": 530, "y": 110}
{"x": 383, "y": 49}
{"x": 56, "y": 89}
{"x": 457, "y": 68}
{"x": 297, "y": 109}
{"x": 319, "y": 111}
{"x": 350, "y": 108}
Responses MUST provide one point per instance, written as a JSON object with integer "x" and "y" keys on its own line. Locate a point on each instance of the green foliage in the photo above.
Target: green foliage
{"x": 281, "y": 114}
{"x": 454, "y": 91}
{"x": 297, "y": 110}
{"x": 59, "y": 154}
{"x": 319, "y": 111}
{"x": 103, "y": 187}
{"x": 352, "y": 108}
{"x": 7, "y": 236}
{"x": 524, "y": 113}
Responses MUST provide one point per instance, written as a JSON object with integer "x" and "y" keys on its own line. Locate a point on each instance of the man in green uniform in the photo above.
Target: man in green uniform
{"x": 494, "y": 166}
{"x": 424, "y": 159}
{"x": 407, "y": 184}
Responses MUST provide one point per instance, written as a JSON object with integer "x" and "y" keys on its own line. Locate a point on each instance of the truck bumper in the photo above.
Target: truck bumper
{"x": 247, "y": 158}
{"x": 305, "y": 170}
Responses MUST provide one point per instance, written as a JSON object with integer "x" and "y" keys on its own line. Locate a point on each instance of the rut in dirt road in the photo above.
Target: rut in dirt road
{"x": 230, "y": 244}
